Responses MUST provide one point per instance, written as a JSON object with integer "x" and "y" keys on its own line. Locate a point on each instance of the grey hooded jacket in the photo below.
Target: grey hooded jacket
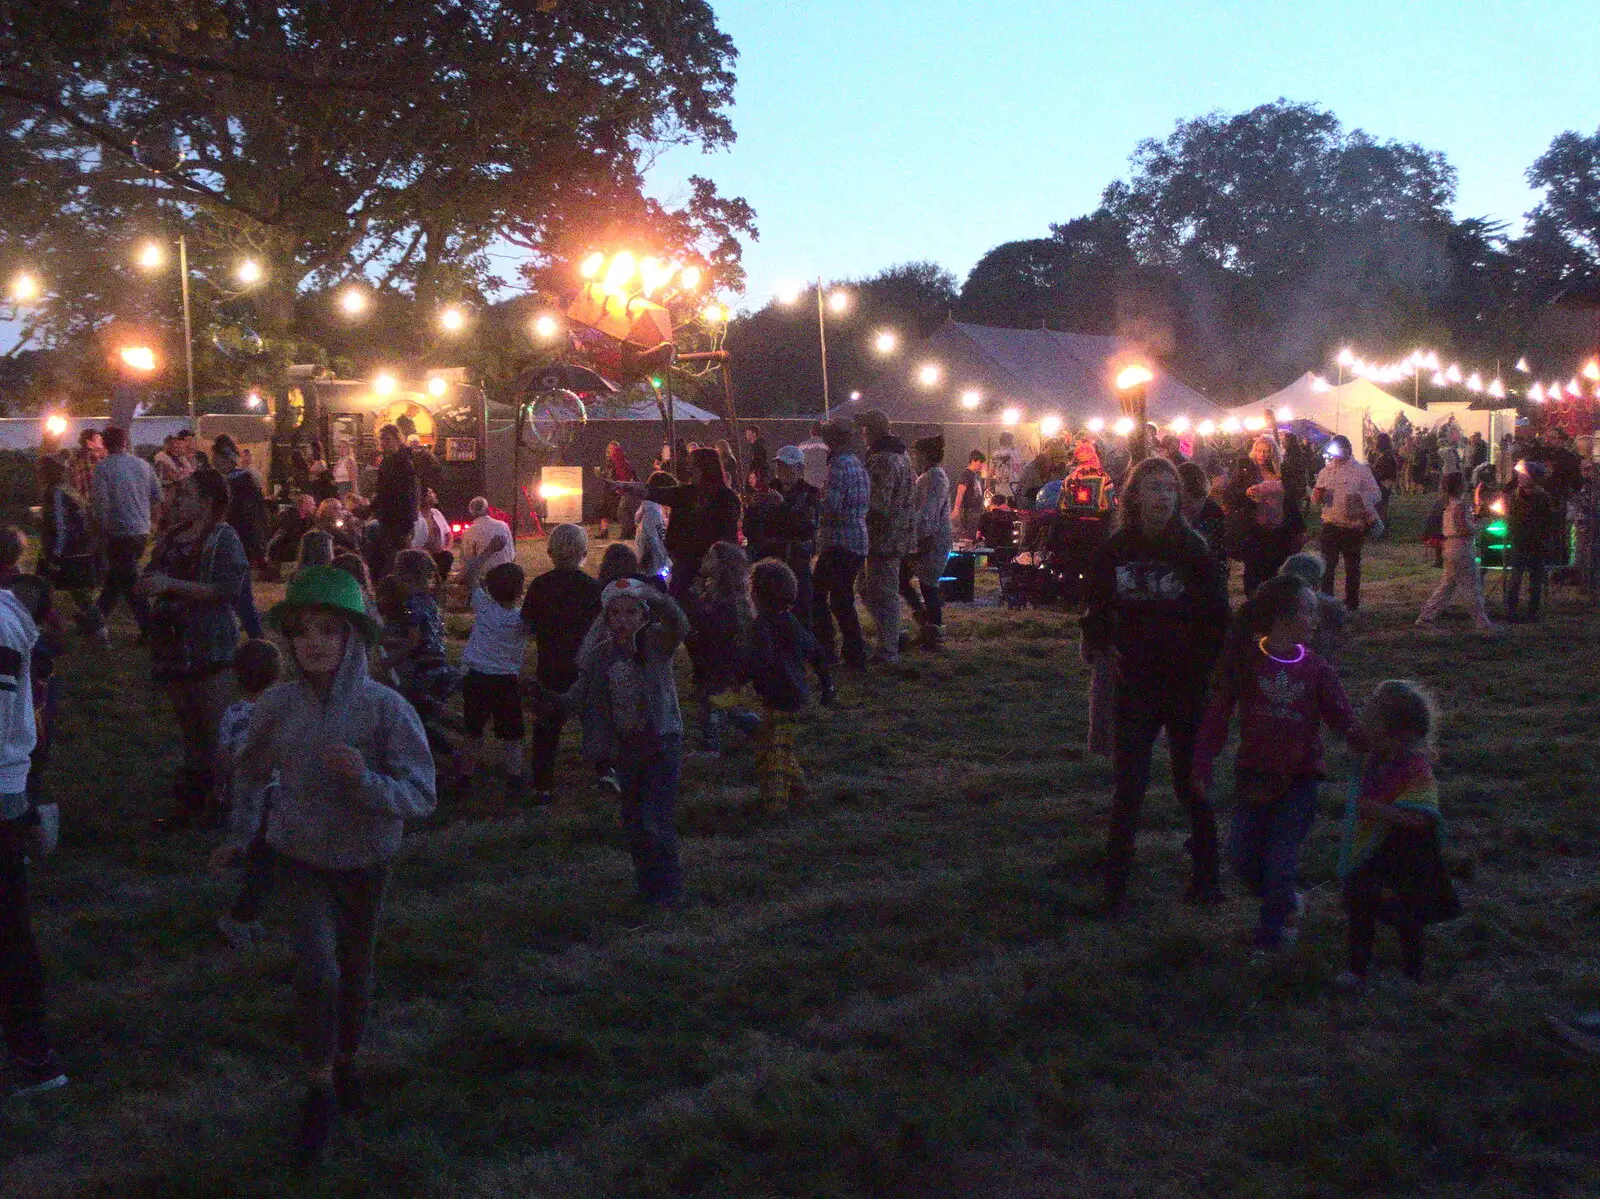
{"x": 318, "y": 817}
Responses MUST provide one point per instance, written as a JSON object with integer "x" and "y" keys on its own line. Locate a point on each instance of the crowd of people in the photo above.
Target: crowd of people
{"x": 312, "y": 778}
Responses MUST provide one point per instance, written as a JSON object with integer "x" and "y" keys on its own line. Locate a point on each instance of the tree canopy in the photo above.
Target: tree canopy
{"x": 394, "y": 143}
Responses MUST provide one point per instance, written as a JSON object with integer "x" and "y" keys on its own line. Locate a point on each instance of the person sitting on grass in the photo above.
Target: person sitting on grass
{"x": 780, "y": 649}
{"x": 256, "y": 665}
{"x": 1389, "y": 857}
{"x": 491, "y": 687}
{"x": 1284, "y": 693}
{"x": 353, "y": 765}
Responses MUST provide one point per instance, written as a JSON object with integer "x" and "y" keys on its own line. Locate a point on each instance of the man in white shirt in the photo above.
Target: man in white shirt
{"x": 485, "y": 544}
{"x": 124, "y": 492}
{"x": 814, "y": 456}
{"x": 1349, "y": 496}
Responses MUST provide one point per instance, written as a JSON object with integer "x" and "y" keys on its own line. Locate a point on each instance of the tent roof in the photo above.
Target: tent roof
{"x": 1038, "y": 370}
{"x": 1327, "y": 406}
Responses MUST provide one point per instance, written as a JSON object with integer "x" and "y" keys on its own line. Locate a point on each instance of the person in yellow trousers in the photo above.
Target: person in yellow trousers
{"x": 780, "y": 648}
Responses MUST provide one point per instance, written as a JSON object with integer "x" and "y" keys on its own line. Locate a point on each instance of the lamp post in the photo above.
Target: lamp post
{"x": 839, "y": 301}
{"x": 151, "y": 259}
{"x": 1131, "y": 383}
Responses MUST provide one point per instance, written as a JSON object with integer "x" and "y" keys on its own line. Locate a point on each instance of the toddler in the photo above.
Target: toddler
{"x": 490, "y": 688}
{"x": 780, "y": 649}
{"x": 1389, "y": 858}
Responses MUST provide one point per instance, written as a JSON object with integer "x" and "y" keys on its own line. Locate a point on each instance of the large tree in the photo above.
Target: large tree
{"x": 392, "y": 142}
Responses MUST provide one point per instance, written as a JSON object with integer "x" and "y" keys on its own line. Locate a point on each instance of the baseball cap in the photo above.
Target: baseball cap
{"x": 790, "y": 455}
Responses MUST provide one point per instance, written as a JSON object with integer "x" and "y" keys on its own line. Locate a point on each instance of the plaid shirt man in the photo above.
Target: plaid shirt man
{"x": 844, "y": 505}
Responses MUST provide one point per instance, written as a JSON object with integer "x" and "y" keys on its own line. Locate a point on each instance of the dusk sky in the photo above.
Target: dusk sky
{"x": 872, "y": 133}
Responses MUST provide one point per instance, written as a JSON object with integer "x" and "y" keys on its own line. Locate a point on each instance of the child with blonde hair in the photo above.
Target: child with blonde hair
{"x": 1390, "y": 857}
{"x": 720, "y": 616}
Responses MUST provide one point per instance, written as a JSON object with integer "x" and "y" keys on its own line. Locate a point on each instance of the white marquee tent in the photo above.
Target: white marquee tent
{"x": 1344, "y": 409}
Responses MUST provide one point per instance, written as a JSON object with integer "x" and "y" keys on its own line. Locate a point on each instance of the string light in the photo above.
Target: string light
{"x": 1095, "y": 424}
{"x": 1011, "y": 416}
{"x": 384, "y": 383}
{"x": 969, "y": 399}
{"x": 1123, "y": 427}
{"x": 928, "y": 374}
{"x": 1050, "y": 425}
{"x": 1206, "y": 428}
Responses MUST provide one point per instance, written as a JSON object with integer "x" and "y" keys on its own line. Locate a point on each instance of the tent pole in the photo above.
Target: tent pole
{"x": 822, "y": 340}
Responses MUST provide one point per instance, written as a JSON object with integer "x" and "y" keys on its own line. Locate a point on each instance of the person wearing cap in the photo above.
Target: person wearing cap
{"x": 353, "y": 765}
{"x": 628, "y": 695}
{"x": 841, "y": 548}
{"x": 891, "y": 528}
{"x": 790, "y": 523}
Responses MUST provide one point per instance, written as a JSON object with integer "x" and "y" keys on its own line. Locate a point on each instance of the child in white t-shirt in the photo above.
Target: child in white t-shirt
{"x": 490, "y": 690}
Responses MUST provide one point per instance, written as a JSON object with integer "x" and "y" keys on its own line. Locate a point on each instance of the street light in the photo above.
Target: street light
{"x": 138, "y": 358}
{"x": 839, "y": 301}
{"x": 886, "y": 342}
{"x": 788, "y": 293}
{"x": 152, "y": 258}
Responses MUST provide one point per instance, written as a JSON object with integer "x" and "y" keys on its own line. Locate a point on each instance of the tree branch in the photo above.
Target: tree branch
{"x": 311, "y": 83}
{"x": 125, "y": 150}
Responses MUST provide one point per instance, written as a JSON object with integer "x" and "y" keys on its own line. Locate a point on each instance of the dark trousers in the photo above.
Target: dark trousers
{"x": 21, "y": 970}
{"x": 1264, "y": 847}
{"x": 833, "y": 598}
{"x": 1262, "y": 562}
{"x": 1518, "y": 564}
{"x": 1337, "y": 541}
{"x": 800, "y": 563}
{"x": 929, "y": 604}
{"x": 543, "y": 741}
{"x": 122, "y": 572}
{"x": 244, "y": 606}
{"x": 684, "y": 569}
{"x": 649, "y": 815}
{"x": 256, "y": 887}
{"x": 335, "y": 916}
{"x": 1145, "y": 706}
{"x": 1367, "y": 904}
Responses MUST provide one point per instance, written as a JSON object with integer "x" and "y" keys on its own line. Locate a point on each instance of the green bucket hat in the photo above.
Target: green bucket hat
{"x": 325, "y": 587}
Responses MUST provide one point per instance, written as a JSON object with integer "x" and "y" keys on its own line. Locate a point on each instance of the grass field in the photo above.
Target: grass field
{"x": 901, "y": 990}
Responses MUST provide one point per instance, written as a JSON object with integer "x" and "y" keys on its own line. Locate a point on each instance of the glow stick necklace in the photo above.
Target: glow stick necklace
{"x": 1300, "y": 653}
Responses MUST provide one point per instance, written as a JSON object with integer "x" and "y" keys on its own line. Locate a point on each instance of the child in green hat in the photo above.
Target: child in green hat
{"x": 353, "y": 765}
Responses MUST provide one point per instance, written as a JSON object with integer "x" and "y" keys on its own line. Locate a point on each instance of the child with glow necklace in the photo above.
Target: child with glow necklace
{"x": 1284, "y": 693}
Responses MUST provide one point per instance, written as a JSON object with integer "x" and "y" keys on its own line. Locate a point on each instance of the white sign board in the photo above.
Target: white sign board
{"x": 561, "y": 489}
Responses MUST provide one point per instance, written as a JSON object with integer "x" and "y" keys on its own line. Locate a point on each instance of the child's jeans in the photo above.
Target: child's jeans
{"x": 1264, "y": 845}
{"x": 778, "y": 771}
{"x": 21, "y": 971}
{"x": 649, "y": 778}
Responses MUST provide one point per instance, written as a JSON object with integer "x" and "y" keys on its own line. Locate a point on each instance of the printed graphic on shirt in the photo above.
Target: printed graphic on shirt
{"x": 10, "y": 668}
{"x": 1149, "y": 582}
{"x": 1282, "y": 694}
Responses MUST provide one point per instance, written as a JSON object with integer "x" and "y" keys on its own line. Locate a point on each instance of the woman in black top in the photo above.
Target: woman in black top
{"x": 1158, "y": 607}
{"x": 702, "y": 513}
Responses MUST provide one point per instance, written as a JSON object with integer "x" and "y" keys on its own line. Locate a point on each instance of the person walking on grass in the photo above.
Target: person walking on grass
{"x": 891, "y": 529}
{"x": 196, "y": 572}
{"x": 1284, "y": 694}
{"x": 125, "y": 493}
{"x": 780, "y": 650}
{"x": 256, "y": 665}
{"x": 1532, "y": 522}
{"x": 557, "y": 610}
{"x": 930, "y": 499}
{"x": 33, "y": 1064}
{"x": 626, "y": 681}
{"x": 841, "y": 549}
{"x": 491, "y": 687}
{"x": 353, "y": 766}
{"x": 1349, "y": 496}
{"x": 1390, "y": 857}
{"x": 1460, "y": 560}
{"x": 703, "y": 512}
{"x": 1158, "y": 613}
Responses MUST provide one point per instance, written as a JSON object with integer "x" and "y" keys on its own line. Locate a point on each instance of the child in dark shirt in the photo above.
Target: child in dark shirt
{"x": 780, "y": 650}
{"x": 558, "y": 609}
{"x": 720, "y": 616}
